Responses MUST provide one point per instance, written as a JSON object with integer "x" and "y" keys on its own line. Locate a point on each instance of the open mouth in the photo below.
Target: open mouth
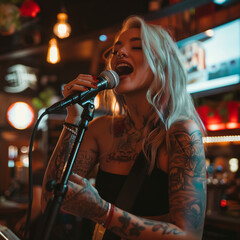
{"x": 123, "y": 69}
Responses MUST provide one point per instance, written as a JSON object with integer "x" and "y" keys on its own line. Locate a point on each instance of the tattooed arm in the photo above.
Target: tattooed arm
{"x": 187, "y": 194}
{"x": 87, "y": 154}
{"x": 84, "y": 162}
{"x": 187, "y": 178}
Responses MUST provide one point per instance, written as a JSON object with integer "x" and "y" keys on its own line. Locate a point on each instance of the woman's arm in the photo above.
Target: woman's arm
{"x": 87, "y": 154}
{"x": 85, "y": 160}
{"x": 187, "y": 178}
{"x": 187, "y": 194}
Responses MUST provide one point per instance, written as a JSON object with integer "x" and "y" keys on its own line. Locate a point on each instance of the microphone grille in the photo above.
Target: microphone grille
{"x": 112, "y": 78}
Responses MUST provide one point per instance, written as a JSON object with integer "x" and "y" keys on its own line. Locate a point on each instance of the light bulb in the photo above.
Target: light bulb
{"x": 62, "y": 29}
{"x": 53, "y": 55}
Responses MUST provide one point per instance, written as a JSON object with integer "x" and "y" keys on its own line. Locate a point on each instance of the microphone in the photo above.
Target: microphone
{"x": 108, "y": 79}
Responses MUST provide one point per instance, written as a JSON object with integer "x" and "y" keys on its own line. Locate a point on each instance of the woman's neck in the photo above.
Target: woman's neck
{"x": 138, "y": 110}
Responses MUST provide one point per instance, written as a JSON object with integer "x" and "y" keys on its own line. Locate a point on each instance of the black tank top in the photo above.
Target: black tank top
{"x": 152, "y": 199}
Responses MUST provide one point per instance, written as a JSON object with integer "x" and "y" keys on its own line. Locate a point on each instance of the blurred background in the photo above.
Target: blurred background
{"x": 44, "y": 44}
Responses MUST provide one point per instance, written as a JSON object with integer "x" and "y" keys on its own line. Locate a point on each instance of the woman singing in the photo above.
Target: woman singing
{"x": 157, "y": 122}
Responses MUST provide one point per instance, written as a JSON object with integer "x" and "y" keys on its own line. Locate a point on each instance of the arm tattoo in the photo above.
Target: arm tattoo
{"x": 57, "y": 163}
{"x": 187, "y": 179}
{"x": 85, "y": 161}
{"x": 93, "y": 208}
{"x": 134, "y": 226}
{"x": 61, "y": 156}
{"x": 164, "y": 227}
{"x": 124, "y": 221}
{"x": 135, "y": 230}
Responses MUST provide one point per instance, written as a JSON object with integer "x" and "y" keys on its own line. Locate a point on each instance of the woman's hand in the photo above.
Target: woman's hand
{"x": 80, "y": 84}
{"x": 82, "y": 199}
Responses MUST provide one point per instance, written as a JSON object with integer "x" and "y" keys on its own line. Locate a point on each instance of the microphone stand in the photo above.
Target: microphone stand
{"x": 60, "y": 189}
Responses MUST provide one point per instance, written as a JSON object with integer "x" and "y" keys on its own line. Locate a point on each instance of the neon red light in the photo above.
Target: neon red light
{"x": 223, "y": 203}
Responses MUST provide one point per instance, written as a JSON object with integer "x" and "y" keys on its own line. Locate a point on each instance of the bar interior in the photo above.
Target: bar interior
{"x": 45, "y": 44}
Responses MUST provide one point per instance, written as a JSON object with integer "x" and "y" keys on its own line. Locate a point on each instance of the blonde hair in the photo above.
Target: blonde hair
{"x": 167, "y": 94}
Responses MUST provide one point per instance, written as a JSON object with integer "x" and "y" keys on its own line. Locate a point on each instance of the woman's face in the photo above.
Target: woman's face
{"x": 129, "y": 62}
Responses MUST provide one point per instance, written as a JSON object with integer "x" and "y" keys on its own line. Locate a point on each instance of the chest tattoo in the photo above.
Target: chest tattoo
{"x": 128, "y": 137}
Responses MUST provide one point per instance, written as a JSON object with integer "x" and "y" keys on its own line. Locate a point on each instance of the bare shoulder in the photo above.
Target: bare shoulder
{"x": 186, "y": 125}
{"x": 100, "y": 123}
{"x": 106, "y": 125}
{"x": 185, "y": 134}
{"x": 108, "y": 118}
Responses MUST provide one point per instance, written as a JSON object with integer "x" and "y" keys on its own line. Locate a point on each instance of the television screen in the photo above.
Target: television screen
{"x": 212, "y": 58}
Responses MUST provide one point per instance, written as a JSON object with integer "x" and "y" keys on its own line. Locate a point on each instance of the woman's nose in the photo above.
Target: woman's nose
{"x": 122, "y": 52}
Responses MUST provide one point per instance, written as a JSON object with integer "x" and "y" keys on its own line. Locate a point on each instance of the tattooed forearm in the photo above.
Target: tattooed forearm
{"x": 165, "y": 228}
{"x": 136, "y": 229}
{"x": 124, "y": 220}
{"x": 56, "y": 165}
{"x": 59, "y": 157}
{"x": 94, "y": 208}
{"x": 130, "y": 226}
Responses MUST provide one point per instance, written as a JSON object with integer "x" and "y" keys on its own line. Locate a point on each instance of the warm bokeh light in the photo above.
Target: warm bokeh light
{"x": 12, "y": 152}
{"x": 24, "y": 149}
{"x": 97, "y": 102}
{"x": 233, "y": 164}
{"x": 209, "y": 33}
{"x": 221, "y": 139}
{"x": 24, "y": 160}
{"x": 115, "y": 106}
{"x": 62, "y": 29}
{"x": 53, "y": 55}
{"x": 216, "y": 127}
{"x": 20, "y": 115}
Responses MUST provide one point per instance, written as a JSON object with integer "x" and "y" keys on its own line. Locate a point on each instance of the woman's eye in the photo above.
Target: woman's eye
{"x": 114, "y": 52}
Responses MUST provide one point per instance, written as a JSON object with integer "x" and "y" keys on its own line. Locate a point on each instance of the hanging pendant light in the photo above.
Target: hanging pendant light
{"x": 53, "y": 55}
{"x": 62, "y": 29}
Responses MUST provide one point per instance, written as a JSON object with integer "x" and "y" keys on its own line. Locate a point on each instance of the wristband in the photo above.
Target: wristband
{"x": 70, "y": 125}
{"x": 71, "y": 128}
{"x": 110, "y": 216}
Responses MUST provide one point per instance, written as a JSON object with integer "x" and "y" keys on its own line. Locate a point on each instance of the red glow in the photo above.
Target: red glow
{"x": 213, "y": 121}
{"x": 223, "y": 203}
{"x": 233, "y": 111}
{"x": 232, "y": 125}
{"x": 216, "y": 127}
{"x": 29, "y": 8}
